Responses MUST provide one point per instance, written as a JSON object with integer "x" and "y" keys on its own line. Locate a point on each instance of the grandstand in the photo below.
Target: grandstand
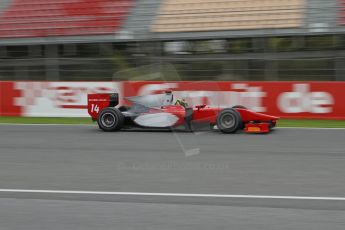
{"x": 201, "y": 39}
{"x": 42, "y": 18}
{"x": 208, "y": 15}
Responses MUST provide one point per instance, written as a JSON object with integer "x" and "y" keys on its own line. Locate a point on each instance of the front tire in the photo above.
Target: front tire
{"x": 239, "y": 107}
{"x": 272, "y": 125}
{"x": 110, "y": 119}
{"x": 229, "y": 121}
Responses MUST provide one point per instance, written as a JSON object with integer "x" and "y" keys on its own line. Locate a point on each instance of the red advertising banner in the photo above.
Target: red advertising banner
{"x": 8, "y": 95}
{"x": 319, "y": 100}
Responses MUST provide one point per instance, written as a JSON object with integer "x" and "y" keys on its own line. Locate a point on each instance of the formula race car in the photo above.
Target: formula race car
{"x": 159, "y": 111}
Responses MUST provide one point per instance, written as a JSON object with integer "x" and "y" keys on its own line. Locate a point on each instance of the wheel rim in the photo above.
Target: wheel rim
{"x": 227, "y": 121}
{"x": 108, "y": 120}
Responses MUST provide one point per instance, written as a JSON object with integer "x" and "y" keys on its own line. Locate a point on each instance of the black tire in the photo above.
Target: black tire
{"x": 239, "y": 107}
{"x": 110, "y": 119}
{"x": 229, "y": 120}
{"x": 272, "y": 125}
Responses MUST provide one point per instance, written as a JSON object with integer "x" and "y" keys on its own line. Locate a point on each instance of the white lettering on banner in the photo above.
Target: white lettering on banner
{"x": 301, "y": 100}
{"x": 151, "y": 88}
{"x": 61, "y": 99}
{"x": 245, "y": 95}
{"x": 196, "y": 97}
{"x": 251, "y": 97}
{"x": 74, "y": 96}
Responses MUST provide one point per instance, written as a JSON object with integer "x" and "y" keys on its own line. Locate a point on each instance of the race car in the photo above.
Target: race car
{"x": 160, "y": 111}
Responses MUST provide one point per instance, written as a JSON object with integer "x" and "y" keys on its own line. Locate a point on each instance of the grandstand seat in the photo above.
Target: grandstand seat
{"x": 42, "y": 18}
{"x": 342, "y": 12}
{"x": 210, "y": 15}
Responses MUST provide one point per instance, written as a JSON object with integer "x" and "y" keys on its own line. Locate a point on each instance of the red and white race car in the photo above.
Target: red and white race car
{"x": 160, "y": 111}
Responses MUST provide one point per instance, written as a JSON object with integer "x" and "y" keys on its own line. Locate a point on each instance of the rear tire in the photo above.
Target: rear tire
{"x": 229, "y": 121}
{"x": 124, "y": 108}
{"x": 110, "y": 119}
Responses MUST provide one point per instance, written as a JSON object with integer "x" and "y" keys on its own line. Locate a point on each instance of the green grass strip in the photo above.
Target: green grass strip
{"x": 45, "y": 120}
{"x": 311, "y": 123}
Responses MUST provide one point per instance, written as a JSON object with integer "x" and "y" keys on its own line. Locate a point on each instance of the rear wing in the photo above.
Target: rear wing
{"x": 97, "y": 102}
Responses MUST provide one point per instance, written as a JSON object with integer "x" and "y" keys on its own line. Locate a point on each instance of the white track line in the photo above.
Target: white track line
{"x": 172, "y": 194}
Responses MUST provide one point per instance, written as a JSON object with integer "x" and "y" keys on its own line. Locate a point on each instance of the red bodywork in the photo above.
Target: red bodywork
{"x": 253, "y": 122}
{"x": 97, "y": 102}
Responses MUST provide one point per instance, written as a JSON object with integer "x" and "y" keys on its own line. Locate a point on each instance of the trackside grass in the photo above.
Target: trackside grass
{"x": 45, "y": 120}
{"x": 311, "y": 123}
{"x": 85, "y": 121}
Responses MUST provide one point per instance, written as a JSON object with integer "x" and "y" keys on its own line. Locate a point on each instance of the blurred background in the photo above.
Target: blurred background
{"x": 279, "y": 57}
{"x": 251, "y": 40}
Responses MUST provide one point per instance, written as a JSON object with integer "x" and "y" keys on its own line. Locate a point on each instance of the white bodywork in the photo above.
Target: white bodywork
{"x": 157, "y": 120}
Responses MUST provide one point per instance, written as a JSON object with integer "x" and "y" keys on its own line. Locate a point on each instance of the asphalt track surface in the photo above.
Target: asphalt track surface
{"x": 288, "y": 162}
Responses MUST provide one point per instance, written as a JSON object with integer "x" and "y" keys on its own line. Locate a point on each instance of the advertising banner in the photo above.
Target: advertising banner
{"x": 50, "y": 99}
{"x": 319, "y": 100}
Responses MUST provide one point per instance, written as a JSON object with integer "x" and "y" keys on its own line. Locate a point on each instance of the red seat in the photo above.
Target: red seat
{"x": 41, "y": 18}
{"x": 342, "y": 12}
